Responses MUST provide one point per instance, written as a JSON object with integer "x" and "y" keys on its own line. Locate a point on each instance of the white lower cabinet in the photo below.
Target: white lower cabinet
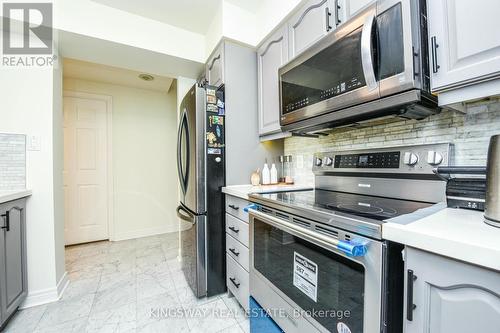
{"x": 237, "y": 229}
{"x": 237, "y": 252}
{"x": 444, "y": 295}
{"x": 236, "y": 207}
{"x": 238, "y": 281}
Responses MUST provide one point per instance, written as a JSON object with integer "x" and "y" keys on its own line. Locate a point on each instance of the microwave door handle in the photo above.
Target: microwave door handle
{"x": 366, "y": 53}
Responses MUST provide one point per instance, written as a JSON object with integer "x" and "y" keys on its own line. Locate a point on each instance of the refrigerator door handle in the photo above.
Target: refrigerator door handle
{"x": 188, "y": 217}
{"x": 183, "y": 174}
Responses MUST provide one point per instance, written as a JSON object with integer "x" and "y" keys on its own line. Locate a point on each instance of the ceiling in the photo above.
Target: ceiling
{"x": 250, "y": 5}
{"x": 192, "y": 15}
{"x": 94, "y": 72}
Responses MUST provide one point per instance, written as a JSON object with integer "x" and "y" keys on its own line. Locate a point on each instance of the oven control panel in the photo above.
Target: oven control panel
{"x": 408, "y": 159}
{"x": 389, "y": 160}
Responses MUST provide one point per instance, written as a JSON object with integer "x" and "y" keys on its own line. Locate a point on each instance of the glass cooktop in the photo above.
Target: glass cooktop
{"x": 377, "y": 208}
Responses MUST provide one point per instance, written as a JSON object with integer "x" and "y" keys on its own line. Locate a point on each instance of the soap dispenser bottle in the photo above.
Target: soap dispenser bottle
{"x": 274, "y": 174}
{"x": 266, "y": 175}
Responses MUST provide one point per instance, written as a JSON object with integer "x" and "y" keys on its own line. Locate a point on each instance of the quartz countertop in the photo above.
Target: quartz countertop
{"x": 242, "y": 191}
{"x": 6, "y": 196}
{"x": 456, "y": 233}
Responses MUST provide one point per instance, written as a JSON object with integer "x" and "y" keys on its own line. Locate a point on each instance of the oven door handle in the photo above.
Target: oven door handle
{"x": 349, "y": 248}
{"x": 366, "y": 53}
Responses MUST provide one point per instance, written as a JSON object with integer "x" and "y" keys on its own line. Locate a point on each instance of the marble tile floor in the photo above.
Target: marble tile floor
{"x": 130, "y": 286}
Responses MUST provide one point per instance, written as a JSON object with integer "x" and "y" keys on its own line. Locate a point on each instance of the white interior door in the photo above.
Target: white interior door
{"x": 85, "y": 170}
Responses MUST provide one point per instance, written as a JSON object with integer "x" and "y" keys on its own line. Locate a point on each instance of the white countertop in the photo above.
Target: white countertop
{"x": 455, "y": 233}
{"x": 6, "y": 196}
{"x": 242, "y": 191}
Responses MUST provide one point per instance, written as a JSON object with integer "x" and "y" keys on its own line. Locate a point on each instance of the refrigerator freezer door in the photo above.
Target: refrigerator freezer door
{"x": 191, "y": 150}
{"x": 193, "y": 253}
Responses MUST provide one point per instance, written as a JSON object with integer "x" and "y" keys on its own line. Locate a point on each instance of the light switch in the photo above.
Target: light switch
{"x": 34, "y": 143}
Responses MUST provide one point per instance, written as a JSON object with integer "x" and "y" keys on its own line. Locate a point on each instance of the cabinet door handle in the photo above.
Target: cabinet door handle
{"x": 234, "y": 207}
{"x": 234, "y": 251}
{"x": 327, "y": 19}
{"x": 409, "y": 295}
{"x": 6, "y": 218}
{"x": 337, "y": 13}
{"x": 233, "y": 229}
{"x": 233, "y": 280}
{"x": 434, "y": 47}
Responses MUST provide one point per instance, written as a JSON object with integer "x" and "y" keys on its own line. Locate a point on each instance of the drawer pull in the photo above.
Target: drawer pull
{"x": 233, "y": 229}
{"x": 234, "y": 207}
{"x": 234, "y": 252}
{"x": 233, "y": 280}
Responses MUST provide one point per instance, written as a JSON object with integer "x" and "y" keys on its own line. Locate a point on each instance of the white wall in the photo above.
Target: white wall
{"x": 89, "y": 18}
{"x": 214, "y": 31}
{"x": 144, "y": 157}
{"x": 30, "y": 105}
{"x": 239, "y": 24}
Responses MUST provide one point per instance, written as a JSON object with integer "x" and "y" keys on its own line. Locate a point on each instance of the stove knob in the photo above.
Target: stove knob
{"x": 318, "y": 161}
{"x": 328, "y": 161}
{"x": 410, "y": 158}
{"x": 434, "y": 158}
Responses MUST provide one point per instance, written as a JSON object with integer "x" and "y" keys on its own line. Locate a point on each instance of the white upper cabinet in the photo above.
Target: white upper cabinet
{"x": 464, "y": 42}
{"x": 311, "y": 22}
{"x": 271, "y": 56}
{"x": 215, "y": 67}
{"x": 349, "y": 8}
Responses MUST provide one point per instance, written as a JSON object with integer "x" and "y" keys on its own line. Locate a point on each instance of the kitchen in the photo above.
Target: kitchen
{"x": 375, "y": 176}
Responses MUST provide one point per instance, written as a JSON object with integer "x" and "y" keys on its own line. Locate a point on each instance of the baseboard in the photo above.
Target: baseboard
{"x": 48, "y": 295}
{"x": 144, "y": 233}
{"x": 62, "y": 285}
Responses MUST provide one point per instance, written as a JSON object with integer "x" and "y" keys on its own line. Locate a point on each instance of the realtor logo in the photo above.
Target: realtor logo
{"x": 27, "y": 35}
{"x": 27, "y": 28}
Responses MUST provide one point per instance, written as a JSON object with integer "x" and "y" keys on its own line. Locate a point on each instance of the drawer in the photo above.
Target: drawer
{"x": 237, "y": 282}
{"x": 237, "y": 251}
{"x": 238, "y": 229}
{"x": 235, "y": 206}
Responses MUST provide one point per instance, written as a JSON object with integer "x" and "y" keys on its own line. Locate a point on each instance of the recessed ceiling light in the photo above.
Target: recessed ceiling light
{"x": 146, "y": 77}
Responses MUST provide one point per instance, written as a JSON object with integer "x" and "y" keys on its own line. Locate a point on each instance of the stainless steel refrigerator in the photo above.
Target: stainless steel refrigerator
{"x": 201, "y": 169}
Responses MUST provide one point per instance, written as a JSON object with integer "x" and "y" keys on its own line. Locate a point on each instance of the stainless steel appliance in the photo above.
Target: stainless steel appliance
{"x": 376, "y": 64}
{"x": 319, "y": 256}
{"x": 492, "y": 205}
{"x": 465, "y": 186}
{"x": 200, "y": 163}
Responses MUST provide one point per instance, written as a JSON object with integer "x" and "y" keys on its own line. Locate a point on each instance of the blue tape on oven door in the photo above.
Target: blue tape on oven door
{"x": 251, "y": 206}
{"x": 353, "y": 249}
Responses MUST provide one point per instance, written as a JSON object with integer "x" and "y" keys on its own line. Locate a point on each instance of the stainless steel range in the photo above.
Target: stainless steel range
{"x": 318, "y": 259}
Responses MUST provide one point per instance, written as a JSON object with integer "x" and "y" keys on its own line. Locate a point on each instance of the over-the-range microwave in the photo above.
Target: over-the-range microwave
{"x": 374, "y": 65}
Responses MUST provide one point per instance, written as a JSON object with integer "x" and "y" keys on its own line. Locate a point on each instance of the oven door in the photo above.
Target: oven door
{"x": 307, "y": 284}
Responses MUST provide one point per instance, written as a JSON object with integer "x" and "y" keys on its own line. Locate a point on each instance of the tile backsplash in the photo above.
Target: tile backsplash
{"x": 12, "y": 162}
{"x": 469, "y": 133}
